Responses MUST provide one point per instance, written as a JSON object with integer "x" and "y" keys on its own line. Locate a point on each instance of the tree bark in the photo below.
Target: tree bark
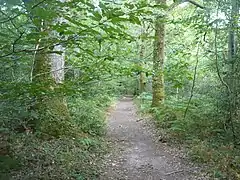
{"x": 232, "y": 61}
{"x": 58, "y": 64}
{"x": 47, "y": 74}
{"x": 232, "y": 53}
{"x": 158, "y": 61}
{"x": 142, "y": 76}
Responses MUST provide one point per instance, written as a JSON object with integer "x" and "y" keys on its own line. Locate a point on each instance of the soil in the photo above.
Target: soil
{"x": 137, "y": 152}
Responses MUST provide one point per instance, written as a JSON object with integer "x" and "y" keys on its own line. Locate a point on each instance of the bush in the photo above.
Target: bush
{"x": 64, "y": 141}
{"x": 223, "y": 158}
{"x": 88, "y": 116}
{"x": 61, "y": 148}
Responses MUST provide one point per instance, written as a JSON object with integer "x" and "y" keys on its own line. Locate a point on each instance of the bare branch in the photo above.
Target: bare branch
{"x": 36, "y": 5}
{"x": 15, "y": 42}
{"x": 175, "y": 4}
{"x": 196, "y": 4}
{"x": 194, "y": 81}
{"x": 216, "y": 59}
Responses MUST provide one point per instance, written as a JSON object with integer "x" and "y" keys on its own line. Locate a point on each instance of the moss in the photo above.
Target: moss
{"x": 57, "y": 106}
{"x": 55, "y": 119}
{"x": 158, "y": 97}
{"x": 41, "y": 68}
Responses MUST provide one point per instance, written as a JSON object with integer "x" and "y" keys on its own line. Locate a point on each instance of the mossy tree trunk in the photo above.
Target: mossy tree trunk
{"x": 47, "y": 76}
{"x": 158, "y": 61}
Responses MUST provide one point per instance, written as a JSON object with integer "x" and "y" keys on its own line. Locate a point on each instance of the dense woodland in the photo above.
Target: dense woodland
{"x": 64, "y": 62}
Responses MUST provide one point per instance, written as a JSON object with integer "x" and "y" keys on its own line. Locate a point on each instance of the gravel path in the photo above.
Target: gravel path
{"x": 137, "y": 155}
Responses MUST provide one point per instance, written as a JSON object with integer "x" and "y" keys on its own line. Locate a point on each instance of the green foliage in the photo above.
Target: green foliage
{"x": 178, "y": 73}
{"x": 8, "y": 164}
{"x": 61, "y": 148}
{"x": 52, "y": 129}
{"x": 87, "y": 115}
{"x": 224, "y": 158}
{"x": 62, "y": 158}
{"x": 144, "y": 102}
{"x": 42, "y": 156}
{"x": 201, "y": 130}
{"x": 66, "y": 145}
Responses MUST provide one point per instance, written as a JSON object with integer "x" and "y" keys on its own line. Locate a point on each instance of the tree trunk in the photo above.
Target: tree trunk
{"x": 48, "y": 74}
{"x": 231, "y": 64}
{"x": 57, "y": 64}
{"x": 232, "y": 55}
{"x": 158, "y": 61}
{"x": 142, "y": 76}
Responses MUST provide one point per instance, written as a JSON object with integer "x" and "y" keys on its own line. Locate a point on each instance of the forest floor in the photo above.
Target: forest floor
{"x": 137, "y": 153}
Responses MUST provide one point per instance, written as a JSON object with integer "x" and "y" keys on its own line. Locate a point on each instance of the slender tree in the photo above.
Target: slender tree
{"x": 158, "y": 60}
{"x": 231, "y": 64}
{"x": 142, "y": 77}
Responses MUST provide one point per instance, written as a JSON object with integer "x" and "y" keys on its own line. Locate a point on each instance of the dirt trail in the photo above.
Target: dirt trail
{"x": 136, "y": 156}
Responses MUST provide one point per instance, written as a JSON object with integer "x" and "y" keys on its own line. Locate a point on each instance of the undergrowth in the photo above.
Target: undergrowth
{"x": 202, "y": 132}
{"x": 61, "y": 149}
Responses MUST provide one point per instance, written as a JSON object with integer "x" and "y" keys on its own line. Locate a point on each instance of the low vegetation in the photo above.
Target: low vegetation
{"x": 201, "y": 131}
{"x": 54, "y": 151}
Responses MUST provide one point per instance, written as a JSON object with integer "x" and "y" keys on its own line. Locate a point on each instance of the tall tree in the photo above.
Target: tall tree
{"x": 232, "y": 64}
{"x": 142, "y": 75}
{"x": 158, "y": 60}
{"x": 48, "y": 65}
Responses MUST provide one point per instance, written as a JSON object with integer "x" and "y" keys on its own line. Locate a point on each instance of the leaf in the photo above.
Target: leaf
{"x": 120, "y": 19}
{"x": 134, "y": 20}
{"x": 97, "y": 17}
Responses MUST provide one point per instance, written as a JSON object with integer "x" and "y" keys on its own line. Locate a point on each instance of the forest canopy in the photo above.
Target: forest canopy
{"x": 64, "y": 62}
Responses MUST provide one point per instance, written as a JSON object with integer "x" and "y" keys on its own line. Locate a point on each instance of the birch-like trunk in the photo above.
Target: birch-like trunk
{"x": 58, "y": 64}
{"x": 142, "y": 76}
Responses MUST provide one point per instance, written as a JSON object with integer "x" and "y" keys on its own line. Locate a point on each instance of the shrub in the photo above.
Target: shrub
{"x": 88, "y": 116}
{"x": 202, "y": 130}
{"x": 63, "y": 158}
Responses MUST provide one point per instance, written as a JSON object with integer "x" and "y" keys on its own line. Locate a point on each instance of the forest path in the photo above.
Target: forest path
{"x": 136, "y": 156}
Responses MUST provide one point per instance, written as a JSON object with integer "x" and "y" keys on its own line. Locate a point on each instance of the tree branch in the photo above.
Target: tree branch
{"x": 196, "y": 4}
{"x": 178, "y": 2}
{"x": 36, "y": 5}
{"x": 35, "y": 49}
{"x": 216, "y": 58}
{"x": 193, "y": 83}
{"x": 14, "y": 17}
